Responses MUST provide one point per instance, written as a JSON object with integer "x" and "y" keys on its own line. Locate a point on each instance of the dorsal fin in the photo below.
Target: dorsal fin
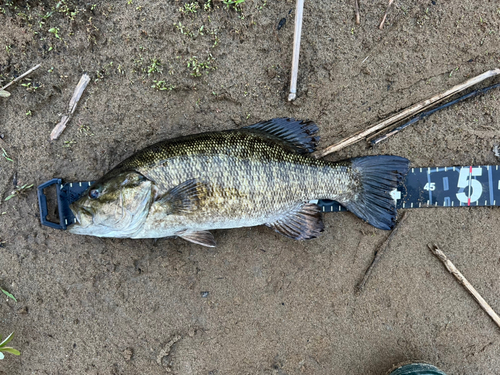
{"x": 300, "y": 135}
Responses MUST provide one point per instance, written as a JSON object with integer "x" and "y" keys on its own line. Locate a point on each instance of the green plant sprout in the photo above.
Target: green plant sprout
{"x": 68, "y": 144}
{"x": 29, "y": 86}
{"x": 155, "y": 67}
{"x": 7, "y": 349}
{"x": 62, "y": 7}
{"x": 197, "y": 66}
{"x": 85, "y": 130}
{"x": 190, "y": 8}
{"x": 5, "y": 155}
{"x": 55, "y": 31}
{"x": 162, "y": 86}
{"x": 233, "y": 3}
{"x": 18, "y": 191}
{"x": 10, "y": 295}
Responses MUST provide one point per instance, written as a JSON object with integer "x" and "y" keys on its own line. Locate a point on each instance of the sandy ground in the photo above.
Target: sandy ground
{"x": 274, "y": 306}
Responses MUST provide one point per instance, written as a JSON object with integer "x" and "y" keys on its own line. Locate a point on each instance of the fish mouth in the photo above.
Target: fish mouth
{"x": 79, "y": 213}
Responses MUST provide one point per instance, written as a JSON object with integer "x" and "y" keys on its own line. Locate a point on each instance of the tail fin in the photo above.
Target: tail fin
{"x": 377, "y": 176}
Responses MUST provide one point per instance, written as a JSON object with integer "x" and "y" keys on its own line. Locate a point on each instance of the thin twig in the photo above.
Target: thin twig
{"x": 430, "y": 112}
{"x": 462, "y": 280}
{"x": 408, "y": 112}
{"x": 381, "y": 26}
{"x": 299, "y": 10}
{"x": 357, "y": 12}
{"x": 21, "y": 76}
{"x": 378, "y": 255}
{"x": 77, "y": 94}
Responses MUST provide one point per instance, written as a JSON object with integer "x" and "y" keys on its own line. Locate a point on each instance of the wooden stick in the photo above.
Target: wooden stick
{"x": 378, "y": 255}
{"x": 375, "y": 139}
{"x": 22, "y": 76}
{"x": 357, "y": 12}
{"x": 77, "y": 94}
{"x": 462, "y": 280}
{"x": 410, "y": 111}
{"x": 381, "y": 26}
{"x": 299, "y": 10}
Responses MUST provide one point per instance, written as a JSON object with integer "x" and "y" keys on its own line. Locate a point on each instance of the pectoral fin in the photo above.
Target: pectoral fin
{"x": 203, "y": 238}
{"x": 303, "y": 223}
{"x": 185, "y": 197}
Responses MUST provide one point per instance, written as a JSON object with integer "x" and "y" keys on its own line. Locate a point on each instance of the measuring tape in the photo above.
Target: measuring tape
{"x": 442, "y": 187}
{"x": 422, "y": 187}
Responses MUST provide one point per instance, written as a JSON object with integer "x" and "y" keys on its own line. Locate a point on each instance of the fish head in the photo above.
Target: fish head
{"x": 114, "y": 206}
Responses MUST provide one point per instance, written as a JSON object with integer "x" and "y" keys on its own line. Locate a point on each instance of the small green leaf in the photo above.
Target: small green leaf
{"x": 5, "y": 342}
{"x": 4, "y": 94}
{"x": 7, "y": 293}
{"x": 11, "y": 351}
{"x": 5, "y": 155}
{"x": 1, "y": 356}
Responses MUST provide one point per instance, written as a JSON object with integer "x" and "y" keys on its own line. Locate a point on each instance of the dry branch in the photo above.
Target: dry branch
{"x": 462, "y": 280}
{"x": 21, "y": 76}
{"x": 378, "y": 255}
{"x": 381, "y": 26}
{"x": 408, "y": 112}
{"x": 358, "y": 21}
{"x": 299, "y": 10}
{"x": 77, "y": 94}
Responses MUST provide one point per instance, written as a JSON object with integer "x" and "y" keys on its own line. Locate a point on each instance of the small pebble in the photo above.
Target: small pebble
{"x": 128, "y": 354}
{"x": 281, "y": 23}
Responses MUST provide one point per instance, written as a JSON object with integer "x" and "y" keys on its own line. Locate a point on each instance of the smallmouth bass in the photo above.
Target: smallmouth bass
{"x": 261, "y": 174}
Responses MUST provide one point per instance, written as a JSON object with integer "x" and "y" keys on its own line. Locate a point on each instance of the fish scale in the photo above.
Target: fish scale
{"x": 262, "y": 175}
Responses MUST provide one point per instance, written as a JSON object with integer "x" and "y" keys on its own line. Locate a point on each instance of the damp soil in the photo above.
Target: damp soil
{"x": 258, "y": 303}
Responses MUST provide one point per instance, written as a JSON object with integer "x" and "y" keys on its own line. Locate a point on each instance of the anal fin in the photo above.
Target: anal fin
{"x": 303, "y": 223}
{"x": 203, "y": 238}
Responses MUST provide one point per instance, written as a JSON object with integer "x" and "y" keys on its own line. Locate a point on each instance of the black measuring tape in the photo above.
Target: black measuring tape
{"x": 423, "y": 187}
{"x": 442, "y": 187}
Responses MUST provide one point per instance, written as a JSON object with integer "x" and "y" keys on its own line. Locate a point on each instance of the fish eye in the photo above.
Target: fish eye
{"x": 94, "y": 194}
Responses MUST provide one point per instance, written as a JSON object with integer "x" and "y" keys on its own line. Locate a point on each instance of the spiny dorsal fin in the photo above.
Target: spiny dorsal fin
{"x": 203, "y": 238}
{"x": 303, "y": 223}
{"x": 301, "y": 135}
{"x": 185, "y": 197}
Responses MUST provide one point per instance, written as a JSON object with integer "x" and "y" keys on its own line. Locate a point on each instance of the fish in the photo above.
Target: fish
{"x": 263, "y": 174}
